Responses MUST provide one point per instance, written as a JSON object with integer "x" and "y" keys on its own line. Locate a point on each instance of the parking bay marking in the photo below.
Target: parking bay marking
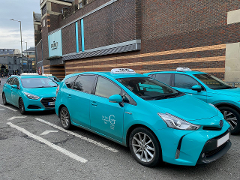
{"x": 47, "y": 132}
{"x": 8, "y": 108}
{"x": 79, "y": 136}
{"x": 62, "y": 150}
{"x": 17, "y": 117}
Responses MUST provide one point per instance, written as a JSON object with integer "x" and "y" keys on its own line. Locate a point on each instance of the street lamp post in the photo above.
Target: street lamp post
{"x": 27, "y": 58}
{"x": 21, "y": 41}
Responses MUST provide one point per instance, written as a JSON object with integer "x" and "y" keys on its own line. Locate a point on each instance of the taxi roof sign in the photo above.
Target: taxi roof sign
{"x": 29, "y": 74}
{"x": 47, "y": 75}
{"x": 182, "y": 69}
{"x": 122, "y": 71}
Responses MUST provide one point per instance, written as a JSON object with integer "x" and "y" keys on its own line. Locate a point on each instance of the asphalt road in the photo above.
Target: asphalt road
{"x": 35, "y": 147}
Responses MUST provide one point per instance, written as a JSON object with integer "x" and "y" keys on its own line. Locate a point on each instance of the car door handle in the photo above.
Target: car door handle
{"x": 69, "y": 96}
{"x": 94, "y": 103}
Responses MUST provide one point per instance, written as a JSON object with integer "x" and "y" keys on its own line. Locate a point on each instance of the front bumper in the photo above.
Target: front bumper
{"x": 41, "y": 104}
{"x": 189, "y": 148}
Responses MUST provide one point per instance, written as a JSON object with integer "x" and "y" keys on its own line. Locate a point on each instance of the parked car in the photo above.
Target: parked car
{"x": 54, "y": 78}
{"x": 30, "y": 92}
{"x": 157, "y": 122}
{"x": 205, "y": 87}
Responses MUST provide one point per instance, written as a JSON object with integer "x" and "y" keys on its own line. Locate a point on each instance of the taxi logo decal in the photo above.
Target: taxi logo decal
{"x": 110, "y": 119}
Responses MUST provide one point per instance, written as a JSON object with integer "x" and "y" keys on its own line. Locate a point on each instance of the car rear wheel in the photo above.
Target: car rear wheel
{"x": 232, "y": 117}
{"x": 65, "y": 118}
{"x": 21, "y": 106}
{"x": 4, "y": 99}
{"x": 145, "y": 147}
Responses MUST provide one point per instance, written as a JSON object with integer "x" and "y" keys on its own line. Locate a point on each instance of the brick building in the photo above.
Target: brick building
{"x": 145, "y": 35}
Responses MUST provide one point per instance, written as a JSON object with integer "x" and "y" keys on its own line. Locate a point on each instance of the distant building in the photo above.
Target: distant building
{"x": 11, "y": 61}
{"x": 150, "y": 35}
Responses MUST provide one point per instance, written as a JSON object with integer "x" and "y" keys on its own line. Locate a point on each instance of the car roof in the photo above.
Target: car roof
{"x": 178, "y": 72}
{"x": 32, "y": 76}
{"x": 108, "y": 74}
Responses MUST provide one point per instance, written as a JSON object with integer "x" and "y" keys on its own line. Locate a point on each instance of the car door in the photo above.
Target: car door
{"x": 106, "y": 117}
{"x": 15, "y": 92}
{"x": 184, "y": 83}
{"x": 8, "y": 90}
{"x": 79, "y": 100}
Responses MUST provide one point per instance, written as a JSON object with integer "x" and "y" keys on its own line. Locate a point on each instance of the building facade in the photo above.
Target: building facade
{"x": 145, "y": 35}
{"x": 11, "y": 62}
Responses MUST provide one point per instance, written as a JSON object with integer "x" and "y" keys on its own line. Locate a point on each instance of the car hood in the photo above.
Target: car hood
{"x": 228, "y": 92}
{"x": 42, "y": 92}
{"x": 190, "y": 109}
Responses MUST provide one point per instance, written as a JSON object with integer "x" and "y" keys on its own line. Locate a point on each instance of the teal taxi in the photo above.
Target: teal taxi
{"x": 157, "y": 122}
{"x": 205, "y": 87}
{"x": 30, "y": 92}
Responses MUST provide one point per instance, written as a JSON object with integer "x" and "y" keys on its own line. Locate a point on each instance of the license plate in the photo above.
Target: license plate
{"x": 222, "y": 140}
{"x": 51, "y": 103}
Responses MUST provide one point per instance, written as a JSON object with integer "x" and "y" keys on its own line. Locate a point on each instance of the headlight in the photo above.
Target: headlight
{"x": 177, "y": 123}
{"x": 31, "y": 96}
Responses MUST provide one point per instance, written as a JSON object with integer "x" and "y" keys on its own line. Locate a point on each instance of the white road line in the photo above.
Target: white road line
{"x": 47, "y": 132}
{"x": 79, "y": 136}
{"x": 8, "y": 108}
{"x": 64, "y": 151}
{"x": 17, "y": 117}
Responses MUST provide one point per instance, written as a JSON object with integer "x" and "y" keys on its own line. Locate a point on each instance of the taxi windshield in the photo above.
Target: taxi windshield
{"x": 212, "y": 81}
{"x": 148, "y": 88}
{"x": 37, "y": 83}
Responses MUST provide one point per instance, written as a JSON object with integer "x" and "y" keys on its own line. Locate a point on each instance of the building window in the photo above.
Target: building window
{"x": 43, "y": 23}
{"x": 44, "y": 9}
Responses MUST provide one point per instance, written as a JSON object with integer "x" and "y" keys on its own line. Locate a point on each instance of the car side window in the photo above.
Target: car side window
{"x": 69, "y": 82}
{"x": 84, "y": 83}
{"x": 15, "y": 82}
{"x": 9, "y": 81}
{"x": 165, "y": 78}
{"x": 106, "y": 88}
{"x": 184, "y": 81}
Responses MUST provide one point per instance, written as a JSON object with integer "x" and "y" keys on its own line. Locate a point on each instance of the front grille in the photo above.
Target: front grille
{"x": 211, "y": 128}
{"x": 45, "y": 102}
{"x": 33, "y": 107}
{"x": 215, "y": 151}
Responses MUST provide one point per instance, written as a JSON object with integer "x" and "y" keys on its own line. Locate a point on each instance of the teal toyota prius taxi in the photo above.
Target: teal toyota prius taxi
{"x": 30, "y": 92}
{"x": 157, "y": 122}
{"x": 207, "y": 88}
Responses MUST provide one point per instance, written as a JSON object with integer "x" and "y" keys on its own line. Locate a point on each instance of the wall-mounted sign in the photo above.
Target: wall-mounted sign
{"x": 55, "y": 44}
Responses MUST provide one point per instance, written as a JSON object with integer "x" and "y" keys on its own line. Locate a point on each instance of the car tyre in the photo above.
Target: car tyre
{"x": 4, "y": 99}
{"x": 145, "y": 147}
{"x": 65, "y": 118}
{"x": 232, "y": 117}
{"x": 21, "y": 106}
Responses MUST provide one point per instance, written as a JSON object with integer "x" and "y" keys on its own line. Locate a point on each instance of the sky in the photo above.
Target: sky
{"x": 21, "y": 10}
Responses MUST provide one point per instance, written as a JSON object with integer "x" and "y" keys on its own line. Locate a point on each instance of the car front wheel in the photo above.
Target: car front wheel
{"x": 21, "y": 106}
{"x": 232, "y": 117}
{"x": 145, "y": 147}
{"x": 65, "y": 118}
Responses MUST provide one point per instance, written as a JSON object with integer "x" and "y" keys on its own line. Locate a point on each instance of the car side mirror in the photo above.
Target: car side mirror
{"x": 116, "y": 98}
{"x": 197, "y": 88}
{"x": 15, "y": 86}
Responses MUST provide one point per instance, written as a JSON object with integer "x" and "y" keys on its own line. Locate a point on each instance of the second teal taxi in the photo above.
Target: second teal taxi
{"x": 30, "y": 92}
{"x": 207, "y": 88}
{"x": 157, "y": 122}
